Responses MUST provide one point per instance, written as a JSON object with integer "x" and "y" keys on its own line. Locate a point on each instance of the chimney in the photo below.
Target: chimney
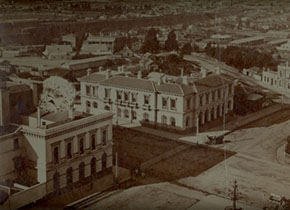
{"x": 89, "y": 71}
{"x": 108, "y": 74}
{"x": 123, "y": 68}
{"x": 139, "y": 76}
{"x": 182, "y": 72}
{"x": 38, "y": 117}
{"x": 218, "y": 70}
{"x": 119, "y": 69}
{"x": 71, "y": 113}
{"x": 160, "y": 80}
{"x": 185, "y": 80}
{"x": 100, "y": 68}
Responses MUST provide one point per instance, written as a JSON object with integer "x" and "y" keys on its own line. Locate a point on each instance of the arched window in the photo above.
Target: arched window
{"x": 95, "y": 104}
{"x": 126, "y": 113}
{"x": 164, "y": 119}
{"x": 68, "y": 150}
{"x": 55, "y": 155}
{"x": 88, "y": 103}
{"x": 93, "y": 166}
{"x": 93, "y": 141}
{"x": 107, "y": 108}
{"x": 81, "y": 171}
{"x": 81, "y": 146}
{"x": 56, "y": 182}
{"x": 69, "y": 176}
{"x": 146, "y": 117}
{"x": 104, "y": 161}
{"x": 172, "y": 121}
{"x": 119, "y": 112}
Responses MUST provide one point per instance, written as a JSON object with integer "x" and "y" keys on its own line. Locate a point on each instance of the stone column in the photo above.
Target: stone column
{"x": 209, "y": 115}
{"x": 202, "y": 120}
{"x": 221, "y": 110}
{"x": 87, "y": 141}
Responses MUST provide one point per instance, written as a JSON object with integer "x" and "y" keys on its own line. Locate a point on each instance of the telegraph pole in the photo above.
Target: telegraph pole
{"x": 235, "y": 195}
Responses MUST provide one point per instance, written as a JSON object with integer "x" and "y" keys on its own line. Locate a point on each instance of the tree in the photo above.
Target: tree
{"x": 151, "y": 43}
{"x": 171, "y": 42}
{"x": 186, "y": 49}
{"x": 58, "y": 94}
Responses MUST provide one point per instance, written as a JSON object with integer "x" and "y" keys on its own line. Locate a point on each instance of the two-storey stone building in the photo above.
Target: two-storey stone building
{"x": 177, "y": 105}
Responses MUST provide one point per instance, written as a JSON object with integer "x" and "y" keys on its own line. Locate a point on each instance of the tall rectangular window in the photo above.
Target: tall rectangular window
{"x": 104, "y": 137}
{"x": 81, "y": 146}
{"x": 172, "y": 103}
{"x": 134, "y": 97}
{"x": 164, "y": 102}
{"x": 146, "y": 99}
{"x": 93, "y": 141}
{"x": 88, "y": 90}
{"x": 107, "y": 93}
{"x": 119, "y": 96}
{"x": 68, "y": 150}
{"x": 188, "y": 103}
{"x": 126, "y": 96}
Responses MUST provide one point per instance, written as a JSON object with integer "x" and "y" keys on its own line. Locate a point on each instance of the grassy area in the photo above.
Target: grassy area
{"x": 190, "y": 162}
{"x": 135, "y": 148}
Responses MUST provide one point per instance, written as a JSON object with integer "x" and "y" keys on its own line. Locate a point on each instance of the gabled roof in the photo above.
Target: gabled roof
{"x": 130, "y": 83}
{"x": 210, "y": 82}
{"x": 91, "y": 48}
{"x": 93, "y": 38}
{"x": 57, "y": 49}
{"x": 94, "y": 78}
{"x": 176, "y": 89}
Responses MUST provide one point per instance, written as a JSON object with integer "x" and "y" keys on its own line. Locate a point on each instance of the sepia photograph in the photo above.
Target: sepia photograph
{"x": 145, "y": 104}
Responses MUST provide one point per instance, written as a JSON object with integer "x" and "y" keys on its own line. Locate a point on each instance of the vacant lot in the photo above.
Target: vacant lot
{"x": 135, "y": 148}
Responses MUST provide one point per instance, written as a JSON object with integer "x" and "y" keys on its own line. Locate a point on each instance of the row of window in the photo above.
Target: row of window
{"x": 81, "y": 146}
{"x": 164, "y": 120}
{"x": 126, "y": 96}
{"x": 172, "y": 103}
{"x": 207, "y": 98}
{"x": 69, "y": 172}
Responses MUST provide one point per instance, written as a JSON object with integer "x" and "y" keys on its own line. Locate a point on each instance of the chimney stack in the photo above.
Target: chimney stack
{"x": 160, "y": 80}
{"x": 89, "y": 71}
{"x": 101, "y": 68}
{"x": 185, "y": 80}
{"x": 182, "y": 72}
{"x": 108, "y": 74}
{"x": 218, "y": 70}
{"x": 139, "y": 76}
{"x": 38, "y": 117}
{"x": 71, "y": 113}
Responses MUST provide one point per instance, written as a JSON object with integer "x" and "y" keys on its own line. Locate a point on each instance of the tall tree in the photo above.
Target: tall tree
{"x": 151, "y": 43}
{"x": 186, "y": 49}
{"x": 58, "y": 94}
{"x": 171, "y": 42}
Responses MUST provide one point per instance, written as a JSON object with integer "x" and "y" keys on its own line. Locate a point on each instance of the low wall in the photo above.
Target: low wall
{"x": 25, "y": 197}
{"x": 5, "y": 189}
{"x": 163, "y": 156}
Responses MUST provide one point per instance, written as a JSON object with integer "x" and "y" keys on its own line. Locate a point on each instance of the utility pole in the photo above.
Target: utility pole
{"x": 197, "y": 127}
{"x": 235, "y": 195}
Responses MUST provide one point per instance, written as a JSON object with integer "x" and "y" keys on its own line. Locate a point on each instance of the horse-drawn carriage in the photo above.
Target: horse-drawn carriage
{"x": 215, "y": 139}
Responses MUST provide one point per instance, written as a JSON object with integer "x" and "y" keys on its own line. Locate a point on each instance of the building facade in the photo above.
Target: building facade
{"x": 52, "y": 152}
{"x": 181, "y": 105}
